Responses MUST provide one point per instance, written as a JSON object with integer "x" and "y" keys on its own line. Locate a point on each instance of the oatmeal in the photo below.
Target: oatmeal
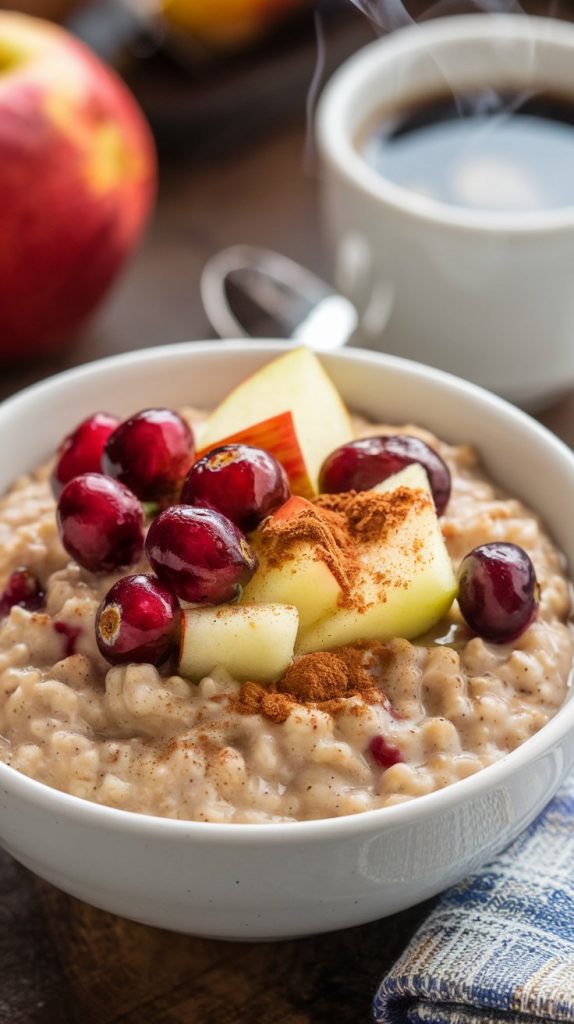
{"x": 343, "y": 731}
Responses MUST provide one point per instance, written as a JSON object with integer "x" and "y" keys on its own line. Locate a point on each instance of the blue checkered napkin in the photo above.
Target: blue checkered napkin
{"x": 499, "y": 948}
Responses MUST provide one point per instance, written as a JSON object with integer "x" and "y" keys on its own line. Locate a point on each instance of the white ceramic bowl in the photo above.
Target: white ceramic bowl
{"x": 283, "y": 880}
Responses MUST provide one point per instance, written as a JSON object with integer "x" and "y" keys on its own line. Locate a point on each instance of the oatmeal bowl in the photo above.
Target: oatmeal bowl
{"x": 285, "y": 644}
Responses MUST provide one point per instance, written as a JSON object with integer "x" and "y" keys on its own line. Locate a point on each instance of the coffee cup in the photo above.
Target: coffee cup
{"x": 487, "y": 294}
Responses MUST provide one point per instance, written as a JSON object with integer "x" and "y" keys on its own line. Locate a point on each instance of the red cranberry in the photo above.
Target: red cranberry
{"x": 246, "y": 484}
{"x": 150, "y": 453}
{"x": 22, "y": 589}
{"x": 498, "y": 592}
{"x": 101, "y": 523}
{"x": 200, "y": 554}
{"x": 70, "y": 634}
{"x": 384, "y": 753}
{"x": 81, "y": 451}
{"x": 138, "y": 620}
{"x": 360, "y": 465}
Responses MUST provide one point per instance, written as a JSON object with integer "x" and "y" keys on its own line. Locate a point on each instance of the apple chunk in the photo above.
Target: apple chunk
{"x": 301, "y": 577}
{"x": 296, "y": 383}
{"x": 252, "y": 642}
{"x": 277, "y": 436}
{"x": 405, "y": 582}
{"x": 414, "y": 476}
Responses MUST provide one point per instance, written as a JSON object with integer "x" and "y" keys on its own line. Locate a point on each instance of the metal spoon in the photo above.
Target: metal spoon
{"x": 302, "y": 305}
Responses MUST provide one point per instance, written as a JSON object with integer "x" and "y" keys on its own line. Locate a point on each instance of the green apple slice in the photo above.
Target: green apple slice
{"x": 294, "y": 383}
{"x": 251, "y": 641}
{"x": 412, "y": 476}
{"x": 421, "y": 583}
{"x": 303, "y": 579}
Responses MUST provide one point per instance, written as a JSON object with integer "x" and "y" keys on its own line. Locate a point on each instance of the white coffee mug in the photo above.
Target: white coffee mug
{"x": 486, "y": 295}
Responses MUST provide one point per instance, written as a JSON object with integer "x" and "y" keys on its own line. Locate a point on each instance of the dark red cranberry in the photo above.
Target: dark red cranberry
{"x": 360, "y": 465}
{"x": 22, "y": 589}
{"x": 81, "y": 451}
{"x": 138, "y": 620}
{"x": 150, "y": 453}
{"x": 384, "y": 753}
{"x": 246, "y": 484}
{"x": 71, "y": 634}
{"x": 498, "y": 592}
{"x": 200, "y": 554}
{"x": 101, "y": 523}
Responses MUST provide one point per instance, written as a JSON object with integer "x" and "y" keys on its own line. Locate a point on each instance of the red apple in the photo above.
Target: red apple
{"x": 77, "y": 180}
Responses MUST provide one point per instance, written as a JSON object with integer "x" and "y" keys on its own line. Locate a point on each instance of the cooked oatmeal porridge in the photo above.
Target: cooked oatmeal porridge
{"x": 400, "y": 720}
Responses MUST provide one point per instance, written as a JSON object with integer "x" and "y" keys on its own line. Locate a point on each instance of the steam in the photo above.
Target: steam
{"x": 389, "y": 15}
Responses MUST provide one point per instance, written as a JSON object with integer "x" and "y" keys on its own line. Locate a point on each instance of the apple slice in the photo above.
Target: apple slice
{"x": 296, "y": 383}
{"x": 302, "y": 578}
{"x": 414, "y": 476}
{"x": 406, "y": 581}
{"x": 276, "y": 435}
{"x": 251, "y": 642}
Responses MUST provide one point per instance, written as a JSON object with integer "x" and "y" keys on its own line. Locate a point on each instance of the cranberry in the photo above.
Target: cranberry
{"x": 150, "y": 453}
{"x": 246, "y": 484}
{"x": 22, "y": 589}
{"x": 101, "y": 523}
{"x": 138, "y": 620}
{"x": 81, "y": 451}
{"x": 360, "y": 465}
{"x": 70, "y": 634}
{"x": 384, "y": 753}
{"x": 200, "y": 554}
{"x": 498, "y": 592}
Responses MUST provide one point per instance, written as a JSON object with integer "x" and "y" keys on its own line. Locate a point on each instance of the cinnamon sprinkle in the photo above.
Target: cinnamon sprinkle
{"x": 324, "y": 680}
{"x": 337, "y": 527}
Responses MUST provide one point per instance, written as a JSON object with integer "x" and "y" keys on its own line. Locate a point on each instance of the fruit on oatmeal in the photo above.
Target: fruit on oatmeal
{"x": 138, "y": 621}
{"x": 82, "y": 450}
{"x": 317, "y": 693}
{"x": 101, "y": 523}
{"x": 245, "y": 483}
{"x": 359, "y": 465}
{"x": 498, "y": 591}
{"x": 385, "y": 754}
{"x": 297, "y": 562}
{"x": 411, "y": 476}
{"x": 297, "y": 383}
{"x": 400, "y": 579}
{"x": 278, "y": 436}
{"x": 22, "y": 589}
{"x": 150, "y": 453}
{"x": 250, "y": 641}
{"x": 199, "y": 553}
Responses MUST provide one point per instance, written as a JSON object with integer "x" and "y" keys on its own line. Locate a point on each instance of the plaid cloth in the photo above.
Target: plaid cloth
{"x": 499, "y": 948}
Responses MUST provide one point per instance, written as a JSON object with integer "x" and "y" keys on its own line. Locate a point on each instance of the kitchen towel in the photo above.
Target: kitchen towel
{"x": 499, "y": 947}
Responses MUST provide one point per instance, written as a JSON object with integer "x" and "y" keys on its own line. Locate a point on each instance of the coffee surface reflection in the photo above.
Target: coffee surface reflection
{"x": 483, "y": 150}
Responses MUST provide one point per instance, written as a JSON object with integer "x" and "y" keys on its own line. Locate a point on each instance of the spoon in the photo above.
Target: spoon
{"x": 295, "y": 300}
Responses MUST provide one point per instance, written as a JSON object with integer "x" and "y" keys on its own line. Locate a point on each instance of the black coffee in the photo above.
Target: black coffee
{"x": 482, "y": 150}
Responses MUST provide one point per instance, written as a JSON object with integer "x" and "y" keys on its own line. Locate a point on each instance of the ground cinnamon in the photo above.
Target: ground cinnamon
{"x": 337, "y": 527}
{"x": 324, "y": 680}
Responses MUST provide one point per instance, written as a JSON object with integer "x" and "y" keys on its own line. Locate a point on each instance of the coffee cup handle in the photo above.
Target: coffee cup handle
{"x": 354, "y": 276}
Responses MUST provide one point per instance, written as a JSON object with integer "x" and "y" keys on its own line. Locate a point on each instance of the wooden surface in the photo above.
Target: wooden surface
{"x": 62, "y": 962}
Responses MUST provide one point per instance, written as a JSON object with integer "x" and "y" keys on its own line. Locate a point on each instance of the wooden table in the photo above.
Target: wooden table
{"x": 62, "y": 962}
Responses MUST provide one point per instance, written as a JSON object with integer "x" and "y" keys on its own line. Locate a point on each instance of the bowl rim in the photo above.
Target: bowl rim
{"x": 337, "y": 143}
{"x": 488, "y": 778}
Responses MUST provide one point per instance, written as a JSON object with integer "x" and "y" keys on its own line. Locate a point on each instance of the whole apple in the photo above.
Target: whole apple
{"x": 77, "y": 181}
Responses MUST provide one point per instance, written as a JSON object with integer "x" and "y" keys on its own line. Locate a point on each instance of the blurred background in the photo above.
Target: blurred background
{"x": 228, "y": 88}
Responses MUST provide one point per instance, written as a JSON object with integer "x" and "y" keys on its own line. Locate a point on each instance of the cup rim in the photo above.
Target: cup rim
{"x": 83, "y": 811}
{"x": 337, "y": 147}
